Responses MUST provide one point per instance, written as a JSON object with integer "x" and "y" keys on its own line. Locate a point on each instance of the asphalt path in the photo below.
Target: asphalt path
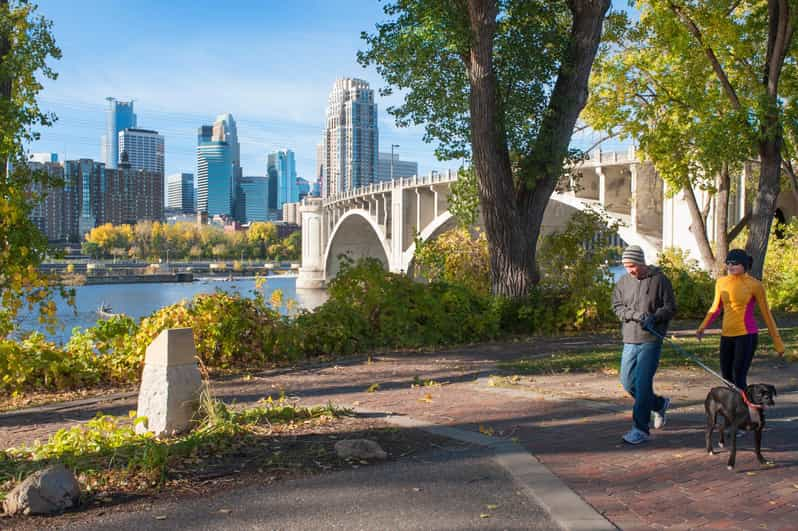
{"x": 452, "y": 487}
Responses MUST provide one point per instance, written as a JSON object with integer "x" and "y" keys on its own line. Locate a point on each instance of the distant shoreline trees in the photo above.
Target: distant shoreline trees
{"x": 148, "y": 240}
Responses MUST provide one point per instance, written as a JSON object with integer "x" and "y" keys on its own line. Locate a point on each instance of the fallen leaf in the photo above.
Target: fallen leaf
{"x": 750, "y": 473}
{"x": 417, "y": 489}
{"x": 492, "y": 506}
{"x": 484, "y": 515}
{"x": 225, "y": 511}
{"x": 426, "y": 398}
{"x": 161, "y": 517}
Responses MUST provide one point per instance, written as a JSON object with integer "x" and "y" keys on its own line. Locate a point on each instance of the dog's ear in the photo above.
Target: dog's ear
{"x": 773, "y": 388}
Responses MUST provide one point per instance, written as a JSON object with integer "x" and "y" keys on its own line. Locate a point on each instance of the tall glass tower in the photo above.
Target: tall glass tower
{"x": 351, "y": 142}
{"x": 282, "y": 166}
{"x": 218, "y": 167}
{"x": 119, "y": 115}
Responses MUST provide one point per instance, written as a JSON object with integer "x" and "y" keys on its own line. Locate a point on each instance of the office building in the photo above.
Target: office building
{"x": 180, "y": 192}
{"x": 350, "y": 137}
{"x": 119, "y": 115}
{"x": 255, "y": 194}
{"x": 401, "y": 168}
{"x": 55, "y": 214}
{"x": 303, "y": 188}
{"x": 144, "y": 149}
{"x": 273, "y": 178}
{"x": 218, "y": 168}
{"x": 282, "y": 168}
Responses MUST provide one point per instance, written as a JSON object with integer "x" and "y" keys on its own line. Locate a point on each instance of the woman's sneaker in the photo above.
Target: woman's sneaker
{"x": 635, "y": 436}
{"x": 659, "y": 416}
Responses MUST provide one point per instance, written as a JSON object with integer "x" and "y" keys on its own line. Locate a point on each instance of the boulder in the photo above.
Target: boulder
{"x": 48, "y": 491}
{"x": 170, "y": 383}
{"x": 359, "y": 449}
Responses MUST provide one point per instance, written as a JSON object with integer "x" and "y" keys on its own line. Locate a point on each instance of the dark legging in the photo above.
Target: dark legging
{"x": 736, "y": 354}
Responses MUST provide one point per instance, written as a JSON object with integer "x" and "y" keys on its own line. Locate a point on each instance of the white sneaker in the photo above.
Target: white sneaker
{"x": 635, "y": 436}
{"x": 659, "y": 416}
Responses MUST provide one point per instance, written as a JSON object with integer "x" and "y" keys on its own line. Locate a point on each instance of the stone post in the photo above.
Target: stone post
{"x": 170, "y": 384}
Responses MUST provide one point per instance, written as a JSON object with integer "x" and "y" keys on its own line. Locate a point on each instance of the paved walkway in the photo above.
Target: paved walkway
{"x": 572, "y": 425}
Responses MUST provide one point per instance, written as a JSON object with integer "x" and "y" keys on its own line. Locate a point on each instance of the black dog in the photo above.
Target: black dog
{"x": 729, "y": 404}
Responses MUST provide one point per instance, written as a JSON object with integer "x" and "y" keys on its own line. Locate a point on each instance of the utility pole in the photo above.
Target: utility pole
{"x": 392, "y": 146}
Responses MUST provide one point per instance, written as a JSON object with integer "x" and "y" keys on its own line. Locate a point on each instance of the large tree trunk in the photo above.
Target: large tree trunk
{"x": 513, "y": 208}
{"x": 780, "y": 30}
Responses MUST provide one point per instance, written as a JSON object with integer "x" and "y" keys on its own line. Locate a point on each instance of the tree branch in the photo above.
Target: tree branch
{"x": 716, "y": 66}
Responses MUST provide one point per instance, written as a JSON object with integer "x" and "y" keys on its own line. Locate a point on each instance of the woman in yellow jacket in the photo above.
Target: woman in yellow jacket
{"x": 735, "y": 295}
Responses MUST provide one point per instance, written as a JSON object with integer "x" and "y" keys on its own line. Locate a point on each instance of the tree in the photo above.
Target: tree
{"x": 26, "y": 44}
{"x": 648, "y": 84}
{"x": 500, "y": 82}
{"x": 711, "y": 74}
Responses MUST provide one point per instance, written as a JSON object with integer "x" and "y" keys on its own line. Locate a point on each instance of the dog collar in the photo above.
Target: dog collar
{"x": 748, "y": 403}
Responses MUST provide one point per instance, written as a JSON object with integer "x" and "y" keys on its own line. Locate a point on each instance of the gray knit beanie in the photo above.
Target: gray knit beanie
{"x": 634, "y": 254}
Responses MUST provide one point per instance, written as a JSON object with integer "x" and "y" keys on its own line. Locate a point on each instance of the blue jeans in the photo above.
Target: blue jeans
{"x": 639, "y": 362}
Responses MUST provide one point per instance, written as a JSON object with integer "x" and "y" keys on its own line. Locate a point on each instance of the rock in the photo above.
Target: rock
{"x": 170, "y": 383}
{"x": 359, "y": 449}
{"x": 47, "y": 491}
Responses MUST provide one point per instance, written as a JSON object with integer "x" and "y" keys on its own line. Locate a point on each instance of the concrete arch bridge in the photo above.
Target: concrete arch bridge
{"x": 381, "y": 220}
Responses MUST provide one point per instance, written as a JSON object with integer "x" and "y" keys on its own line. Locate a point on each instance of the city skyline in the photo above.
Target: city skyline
{"x": 281, "y": 108}
{"x": 173, "y": 77}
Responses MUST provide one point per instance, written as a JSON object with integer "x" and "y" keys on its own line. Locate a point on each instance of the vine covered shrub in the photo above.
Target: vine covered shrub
{"x": 457, "y": 257}
{"x": 229, "y": 330}
{"x": 575, "y": 289}
{"x": 374, "y": 308}
{"x": 693, "y": 287}
{"x": 781, "y": 268}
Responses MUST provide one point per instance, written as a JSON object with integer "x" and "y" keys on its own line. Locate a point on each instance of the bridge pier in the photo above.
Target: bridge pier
{"x": 311, "y": 274}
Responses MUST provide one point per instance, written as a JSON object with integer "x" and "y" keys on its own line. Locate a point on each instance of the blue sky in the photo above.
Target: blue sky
{"x": 270, "y": 63}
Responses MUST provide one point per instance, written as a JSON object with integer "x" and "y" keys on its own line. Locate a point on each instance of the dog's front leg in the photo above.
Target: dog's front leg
{"x": 709, "y": 429}
{"x": 758, "y": 443}
{"x": 733, "y": 454}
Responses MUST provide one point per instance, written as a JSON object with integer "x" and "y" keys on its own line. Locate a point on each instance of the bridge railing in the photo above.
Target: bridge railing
{"x": 387, "y": 186}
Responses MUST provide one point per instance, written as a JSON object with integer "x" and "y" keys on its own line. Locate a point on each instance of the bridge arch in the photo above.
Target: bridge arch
{"x": 355, "y": 235}
{"x": 439, "y": 225}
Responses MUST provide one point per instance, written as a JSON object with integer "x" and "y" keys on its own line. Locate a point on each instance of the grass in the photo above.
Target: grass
{"x": 608, "y": 359}
{"x": 107, "y": 453}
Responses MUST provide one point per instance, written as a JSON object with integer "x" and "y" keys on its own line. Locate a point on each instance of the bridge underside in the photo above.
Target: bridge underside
{"x": 355, "y": 237}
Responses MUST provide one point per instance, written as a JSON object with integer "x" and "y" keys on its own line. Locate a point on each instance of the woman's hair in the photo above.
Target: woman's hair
{"x": 741, "y": 257}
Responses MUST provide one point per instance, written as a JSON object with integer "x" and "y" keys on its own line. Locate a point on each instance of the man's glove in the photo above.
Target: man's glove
{"x": 648, "y": 322}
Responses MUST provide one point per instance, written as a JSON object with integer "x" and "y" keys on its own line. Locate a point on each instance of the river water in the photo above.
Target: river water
{"x": 140, "y": 300}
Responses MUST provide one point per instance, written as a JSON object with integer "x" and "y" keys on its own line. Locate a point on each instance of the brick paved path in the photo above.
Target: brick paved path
{"x": 573, "y": 424}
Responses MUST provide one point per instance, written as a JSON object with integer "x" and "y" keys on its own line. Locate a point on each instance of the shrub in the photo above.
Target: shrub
{"x": 781, "y": 268}
{"x": 576, "y": 284}
{"x": 390, "y": 310}
{"x": 458, "y": 257}
{"x": 693, "y": 287}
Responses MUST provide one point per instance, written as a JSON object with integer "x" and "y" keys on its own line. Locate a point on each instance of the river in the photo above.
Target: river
{"x": 140, "y": 300}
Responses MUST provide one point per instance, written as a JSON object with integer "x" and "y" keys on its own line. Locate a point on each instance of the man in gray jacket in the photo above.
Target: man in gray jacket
{"x": 642, "y": 299}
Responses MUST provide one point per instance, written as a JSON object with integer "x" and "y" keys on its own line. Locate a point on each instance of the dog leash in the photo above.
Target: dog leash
{"x": 701, "y": 364}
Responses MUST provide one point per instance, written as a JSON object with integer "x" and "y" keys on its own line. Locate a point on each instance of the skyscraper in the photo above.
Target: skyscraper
{"x": 180, "y": 192}
{"x": 401, "y": 168}
{"x": 218, "y": 167}
{"x": 282, "y": 167}
{"x": 144, "y": 148}
{"x": 350, "y": 137}
{"x": 255, "y": 198}
{"x": 119, "y": 115}
{"x": 273, "y": 178}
